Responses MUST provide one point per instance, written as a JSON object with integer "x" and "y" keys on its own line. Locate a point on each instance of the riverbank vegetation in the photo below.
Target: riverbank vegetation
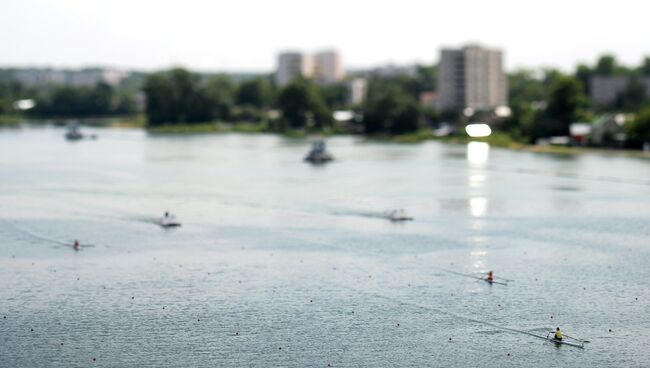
{"x": 542, "y": 104}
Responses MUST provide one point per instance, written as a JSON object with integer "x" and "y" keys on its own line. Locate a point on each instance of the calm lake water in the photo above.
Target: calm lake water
{"x": 280, "y": 263}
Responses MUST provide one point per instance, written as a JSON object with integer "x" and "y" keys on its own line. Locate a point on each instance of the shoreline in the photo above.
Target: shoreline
{"x": 497, "y": 139}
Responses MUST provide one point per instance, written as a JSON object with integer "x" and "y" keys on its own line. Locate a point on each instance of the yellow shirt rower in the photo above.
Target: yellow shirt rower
{"x": 558, "y": 334}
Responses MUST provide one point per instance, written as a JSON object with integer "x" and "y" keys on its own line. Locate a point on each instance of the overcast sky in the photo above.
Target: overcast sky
{"x": 246, "y": 35}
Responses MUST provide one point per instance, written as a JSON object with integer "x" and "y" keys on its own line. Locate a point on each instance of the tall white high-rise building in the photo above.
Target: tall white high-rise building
{"x": 328, "y": 68}
{"x": 324, "y": 67}
{"x": 292, "y": 65}
{"x": 471, "y": 77}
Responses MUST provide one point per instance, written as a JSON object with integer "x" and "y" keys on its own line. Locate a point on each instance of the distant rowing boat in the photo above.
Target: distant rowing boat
{"x": 169, "y": 220}
{"x": 398, "y": 215}
{"x": 577, "y": 344}
{"x": 475, "y": 277}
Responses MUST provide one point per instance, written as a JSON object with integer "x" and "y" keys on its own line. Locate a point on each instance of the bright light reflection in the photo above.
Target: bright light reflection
{"x": 478, "y": 206}
{"x": 478, "y": 130}
{"x": 478, "y": 152}
{"x": 478, "y": 261}
{"x": 24, "y": 104}
{"x": 502, "y": 111}
{"x": 477, "y": 180}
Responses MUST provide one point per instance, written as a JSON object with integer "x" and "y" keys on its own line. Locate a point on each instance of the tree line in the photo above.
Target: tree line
{"x": 67, "y": 101}
{"x": 179, "y": 96}
{"x": 543, "y": 103}
{"x": 546, "y": 103}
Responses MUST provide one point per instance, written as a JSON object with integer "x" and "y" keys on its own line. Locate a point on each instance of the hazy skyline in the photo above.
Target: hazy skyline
{"x": 247, "y": 35}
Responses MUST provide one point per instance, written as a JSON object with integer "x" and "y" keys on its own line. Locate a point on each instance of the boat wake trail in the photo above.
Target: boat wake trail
{"x": 504, "y": 282}
{"x": 456, "y": 315}
{"x": 146, "y": 219}
{"x": 33, "y": 234}
{"x": 367, "y": 214}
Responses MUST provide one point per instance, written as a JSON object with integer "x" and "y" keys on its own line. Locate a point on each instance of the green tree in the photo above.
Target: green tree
{"x": 100, "y": 100}
{"x": 606, "y": 65}
{"x": 525, "y": 86}
{"x": 426, "y": 78}
{"x": 584, "y": 74}
{"x": 645, "y": 66}
{"x": 159, "y": 94}
{"x": 220, "y": 91}
{"x": 10, "y": 91}
{"x": 391, "y": 111}
{"x": 526, "y": 90}
{"x": 335, "y": 95}
{"x": 565, "y": 105}
{"x": 633, "y": 98}
{"x": 256, "y": 93}
{"x": 638, "y": 130}
{"x": 520, "y": 123}
{"x": 405, "y": 83}
{"x": 549, "y": 77}
{"x": 302, "y": 106}
{"x": 125, "y": 103}
{"x": 176, "y": 96}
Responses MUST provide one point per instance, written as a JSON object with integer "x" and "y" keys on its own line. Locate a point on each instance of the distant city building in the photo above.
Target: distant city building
{"x": 471, "y": 77}
{"x": 328, "y": 68}
{"x": 33, "y": 77}
{"x": 606, "y": 89}
{"x": 90, "y": 77}
{"x": 390, "y": 71}
{"x": 323, "y": 67}
{"x": 84, "y": 77}
{"x": 292, "y": 65}
{"x": 358, "y": 89}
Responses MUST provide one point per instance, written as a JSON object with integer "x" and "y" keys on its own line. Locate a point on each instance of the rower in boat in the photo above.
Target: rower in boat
{"x": 169, "y": 220}
{"x": 558, "y": 335}
{"x": 76, "y": 245}
{"x": 490, "y": 277}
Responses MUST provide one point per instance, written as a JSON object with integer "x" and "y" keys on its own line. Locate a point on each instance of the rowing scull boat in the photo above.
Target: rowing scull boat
{"x": 563, "y": 342}
{"x": 474, "y": 277}
{"x": 548, "y": 338}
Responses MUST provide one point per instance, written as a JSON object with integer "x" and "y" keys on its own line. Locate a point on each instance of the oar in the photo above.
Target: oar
{"x": 565, "y": 335}
{"x": 576, "y": 339}
{"x": 474, "y": 277}
{"x": 497, "y": 277}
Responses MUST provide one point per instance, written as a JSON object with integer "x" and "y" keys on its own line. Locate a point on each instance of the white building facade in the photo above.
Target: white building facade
{"x": 292, "y": 65}
{"x": 328, "y": 68}
{"x": 471, "y": 77}
{"x": 324, "y": 67}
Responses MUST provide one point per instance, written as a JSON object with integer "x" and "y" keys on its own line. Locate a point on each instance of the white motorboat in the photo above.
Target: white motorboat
{"x": 319, "y": 154}
{"x": 169, "y": 220}
{"x": 73, "y": 133}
